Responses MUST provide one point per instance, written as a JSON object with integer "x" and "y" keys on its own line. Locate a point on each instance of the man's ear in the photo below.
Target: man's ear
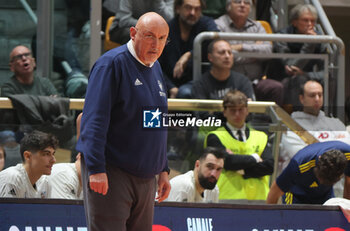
{"x": 301, "y": 99}
{"x": 196, "y": 164}
{"x": 34, "y": 63}
{"x": 27, "y": 155}
{"x": 132, "y": 32}
{"x": 11, "y": 67}
{"x": 210, "y": 58}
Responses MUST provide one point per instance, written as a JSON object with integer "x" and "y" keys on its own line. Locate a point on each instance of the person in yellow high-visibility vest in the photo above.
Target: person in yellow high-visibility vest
{"x": 246, "y": 169}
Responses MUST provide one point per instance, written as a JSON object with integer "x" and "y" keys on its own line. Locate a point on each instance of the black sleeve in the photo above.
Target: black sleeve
{"x": 244, "y": 84}
{"x": 214, "y": 141}
{"x": 232, "y": 161}
{"x": 198, "y": 90}
{"x": 262, "y": 168}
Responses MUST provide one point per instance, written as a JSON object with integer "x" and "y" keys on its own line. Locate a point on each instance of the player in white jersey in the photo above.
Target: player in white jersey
{"x": 65, "y": 180}
{"x": 199, "y": 185}
{"x": 28, "y": 180}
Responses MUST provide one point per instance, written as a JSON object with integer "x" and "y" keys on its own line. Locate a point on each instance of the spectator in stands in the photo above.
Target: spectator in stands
{"x": 215, "y": 83}
{"x": 311, "y": 174}
{"x": 246, "y": 169}
{"x": 313, "y": 119}
{"x": 26, "y": 180}
{"x": 109, "y": 9}
{"x": 24, "y": 80}
{"x": 220, "y": 79}
{"x": 303, "y": 19}
{"x": 2, "y": 158}
{"x": 236, "y": 20}
{"x": 199, "y": 185}
{"x": 128, "y": 12}
{"x": 176, "y": 60}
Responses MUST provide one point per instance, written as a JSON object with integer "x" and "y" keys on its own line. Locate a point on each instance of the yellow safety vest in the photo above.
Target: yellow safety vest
{"x": 231, "y": 184}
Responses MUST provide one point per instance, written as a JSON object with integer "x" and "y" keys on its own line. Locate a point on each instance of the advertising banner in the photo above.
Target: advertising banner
{"x": 65, "y": 215}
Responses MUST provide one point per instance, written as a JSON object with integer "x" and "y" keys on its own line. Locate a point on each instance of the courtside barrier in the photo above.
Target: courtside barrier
{"x": 68, "y": 215}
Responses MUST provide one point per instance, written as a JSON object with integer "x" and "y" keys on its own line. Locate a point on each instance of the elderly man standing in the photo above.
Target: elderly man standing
{"x": 236, "y": 20}
{"x": 120, "y": 158}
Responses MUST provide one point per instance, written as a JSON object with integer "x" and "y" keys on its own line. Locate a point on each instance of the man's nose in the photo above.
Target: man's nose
{"x": 214, "y": 173}
{"x": 228, "y": 53}
{"x": 193, "y": 11}
{"x": 53, "y": 159}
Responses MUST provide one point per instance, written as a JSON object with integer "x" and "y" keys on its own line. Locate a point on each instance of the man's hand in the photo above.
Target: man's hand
{"x": 310, "y": 31}
{"x": 173, "y": 92}
{"x": 257, "y": 157}
{"x": 99, "y": 183}
{"x": 181, "y": 65}
{"x": 293, "y": 70}
{"x": 163, "y": 187}
{"x": 237, "y": 47}
{"x": 274, "y": 194}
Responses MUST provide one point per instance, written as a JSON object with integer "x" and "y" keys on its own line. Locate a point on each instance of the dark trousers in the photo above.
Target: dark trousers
{"x": 127, "y": 206}
{"x": 269, "y": 90}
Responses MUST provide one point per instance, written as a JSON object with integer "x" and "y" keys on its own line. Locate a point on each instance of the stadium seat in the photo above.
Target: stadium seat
{"x": 266, "y": 26}
{"x": 108, "y": 44}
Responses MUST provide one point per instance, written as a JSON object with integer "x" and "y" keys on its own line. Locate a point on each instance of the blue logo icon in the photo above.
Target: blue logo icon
{"x": 152, "y": 118}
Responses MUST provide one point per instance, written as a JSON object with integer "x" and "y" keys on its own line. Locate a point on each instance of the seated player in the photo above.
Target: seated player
{"x": 26, "y": 180}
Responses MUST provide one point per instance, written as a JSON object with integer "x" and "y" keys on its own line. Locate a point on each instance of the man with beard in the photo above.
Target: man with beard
{"x": 176, "y": 60}
{"x": 245, "y": 176}
{"x": 199, "y": 185}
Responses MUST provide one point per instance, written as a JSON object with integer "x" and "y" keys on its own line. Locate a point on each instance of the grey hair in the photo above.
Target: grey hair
{"x": 297, "y": 10}
{"x": 228, "y": 6}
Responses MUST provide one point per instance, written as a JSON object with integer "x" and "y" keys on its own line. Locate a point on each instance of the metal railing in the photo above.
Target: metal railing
{"x": 279, "y": 117}
{"x": 340, "y": 56}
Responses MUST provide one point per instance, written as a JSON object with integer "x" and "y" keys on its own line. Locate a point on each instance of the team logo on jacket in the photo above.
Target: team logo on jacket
{"x": 152, "y": 118}
{"x": 138, "y": 82}
{"x": 314, "y": 185}
{"x": 160, "y": 86}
